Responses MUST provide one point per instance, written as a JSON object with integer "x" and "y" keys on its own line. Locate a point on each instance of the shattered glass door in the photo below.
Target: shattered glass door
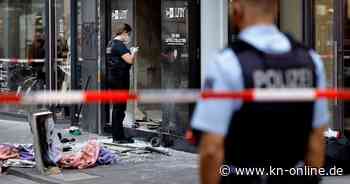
{"x": 326, "y": 45}
{"x": 162, "y": 33}
{"x": 175, "y": 61}
{"x": 22, "y": 51}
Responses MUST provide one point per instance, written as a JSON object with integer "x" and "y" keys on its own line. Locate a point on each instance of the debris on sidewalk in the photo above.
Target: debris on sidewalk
{"x": 85, "y": 159}
{"x": 75, "y": 131}
{"x": 338, "y": 154}
{"x": 26, "y": 152}
{"x": 1, "y": 168}
{"x": 155, "y": 150}
{"x": 331, "y": 134}
{"x": 16, "y": 156}
{"x": 8, "y": 152}
{"x": 106, "y": 157}
{"x": 18, "y": 163}
{"x": 64, "y": 139}
{"x": 92, "y": 154}
{"x": 136, "y": 148}
{"x": 67, "y": 151}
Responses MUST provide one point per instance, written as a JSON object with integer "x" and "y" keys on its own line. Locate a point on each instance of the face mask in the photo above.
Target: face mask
{"x": 127, "y": 40}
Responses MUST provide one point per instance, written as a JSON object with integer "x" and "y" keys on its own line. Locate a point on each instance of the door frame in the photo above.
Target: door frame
{"x": 194, "y": 76}
{"x": 338, "y": 31}
{"x": 339, "y": 26}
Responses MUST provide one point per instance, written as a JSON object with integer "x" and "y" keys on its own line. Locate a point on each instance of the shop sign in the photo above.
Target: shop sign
{"x": 175, "y": 39}
{"x": 120, "y": 14}
{"x": 321, "y": 10}
{"x": 173, "y": 13}
{"x": 61, "y": 26}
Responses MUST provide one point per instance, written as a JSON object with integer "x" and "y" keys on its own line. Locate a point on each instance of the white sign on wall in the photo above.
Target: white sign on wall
{"x": 173, "y": 13}
{"x": 120, "y": 14}
{"x": 175, "y": 39}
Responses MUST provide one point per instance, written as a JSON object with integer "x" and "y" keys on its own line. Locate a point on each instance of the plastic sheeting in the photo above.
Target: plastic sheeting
{"x": 8, "y": 152}
{"x": 92, "y": 154}
{"x": 106, "y": 157}
{"x": 26, "y": 152}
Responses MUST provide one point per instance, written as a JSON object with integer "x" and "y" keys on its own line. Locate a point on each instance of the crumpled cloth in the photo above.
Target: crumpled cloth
{"x": 26, "y": 152}
{"x": 106, "y": 157}
{"x": 8, "y": 152}
{"x": 85, "y": 159}
{"x": 1, "y": 169}
{"x": 19, "y": 163}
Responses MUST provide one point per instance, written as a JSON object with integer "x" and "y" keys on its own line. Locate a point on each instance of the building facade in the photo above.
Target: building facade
{"x": 61, "y": 45}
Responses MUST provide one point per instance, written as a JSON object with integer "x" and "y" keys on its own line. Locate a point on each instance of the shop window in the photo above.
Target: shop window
{"x": 289, "y": 19}
{"x": 162, "y": 31}
{"x": 325, "y": 44}
{"x": 22, "y": 52}
{"x": 63, "y": 60}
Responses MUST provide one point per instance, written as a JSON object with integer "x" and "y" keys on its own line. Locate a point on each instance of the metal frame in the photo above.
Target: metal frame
{"x": 339, "y": 21}
{"x": 74, "y": 56}
{"x": 338, "y": 29}
{"x": 308, "y": 23}
{"x": 50, "y": 44}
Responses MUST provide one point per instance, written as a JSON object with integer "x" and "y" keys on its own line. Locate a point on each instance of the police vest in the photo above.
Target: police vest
{"x": 272, "y": 133}
{"x": 115, "y": 63}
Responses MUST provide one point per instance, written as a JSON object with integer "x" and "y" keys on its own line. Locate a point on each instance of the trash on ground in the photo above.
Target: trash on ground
{"x": 85, "y": 159}
{"x": 106, "y": 157}
{"x": 26, "y": 152}
{"x": 92, "y": 154}
{"x": 331, "y": 134}
{"x": 2, "y": 169}
{"x": 65, "y": 140}
{"x": 19, "y": 163}
{"x": 75, "y": 131}
{"x": 8, "y": 152}
{"x": 135, "y": 148}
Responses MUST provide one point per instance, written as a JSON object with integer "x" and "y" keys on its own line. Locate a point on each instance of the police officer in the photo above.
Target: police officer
{"x": 119, "y": 61}
{"x": 242, "y": 135}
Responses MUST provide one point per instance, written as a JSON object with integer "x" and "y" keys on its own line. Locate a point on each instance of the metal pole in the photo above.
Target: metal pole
{"x": 50, "y": 47}
{"x": 74, "y": 56}
{"x": 47, "y": 42}
{"x": 50, "y": 44}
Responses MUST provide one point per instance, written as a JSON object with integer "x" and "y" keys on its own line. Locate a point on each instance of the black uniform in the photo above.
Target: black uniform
{"x": 271, "y": 143}
{"x": 118, "y": 78}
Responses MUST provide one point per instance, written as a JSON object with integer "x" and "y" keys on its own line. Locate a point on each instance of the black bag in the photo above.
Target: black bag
{"x": 338, "y": 154}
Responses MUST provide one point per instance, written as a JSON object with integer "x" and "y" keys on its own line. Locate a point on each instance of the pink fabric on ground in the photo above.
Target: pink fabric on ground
{"x": 85, "y": 159}
{"x": 8, "y": 152}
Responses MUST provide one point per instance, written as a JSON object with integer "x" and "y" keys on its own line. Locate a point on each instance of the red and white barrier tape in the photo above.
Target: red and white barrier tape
{"x": 172, "y": 96}
{"x": 16, "y": 61}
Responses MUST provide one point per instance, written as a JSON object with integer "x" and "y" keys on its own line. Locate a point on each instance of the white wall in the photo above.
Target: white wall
{"x": 292, "y": 17}
{"x": 214, "y": 29}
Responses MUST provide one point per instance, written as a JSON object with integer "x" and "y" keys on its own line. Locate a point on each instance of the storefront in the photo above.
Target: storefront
{"x": 61, "y": 45}
{"x": 168, "y": 35}
{"x": 328, "y": 30}
{"x": 324, "y": 26}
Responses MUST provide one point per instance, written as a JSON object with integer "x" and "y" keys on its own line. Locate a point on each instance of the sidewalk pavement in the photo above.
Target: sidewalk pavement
{"x": 10, "y": 179}
{"x": 179, "y": 168}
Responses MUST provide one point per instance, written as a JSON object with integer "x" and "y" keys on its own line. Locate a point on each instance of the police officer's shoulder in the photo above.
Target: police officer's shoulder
{"x": 295, "y": 43}
{"x": 225, "y": 61}
{"x": 239, "y": 46}
{"x": 225, "y": 55}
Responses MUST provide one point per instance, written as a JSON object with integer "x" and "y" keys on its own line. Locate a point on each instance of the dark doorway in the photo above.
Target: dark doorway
{"x": 167, "y": 32}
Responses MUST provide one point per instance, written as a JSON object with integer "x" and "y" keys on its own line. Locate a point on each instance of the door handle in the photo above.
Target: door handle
{"x": 335, "y": 69}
